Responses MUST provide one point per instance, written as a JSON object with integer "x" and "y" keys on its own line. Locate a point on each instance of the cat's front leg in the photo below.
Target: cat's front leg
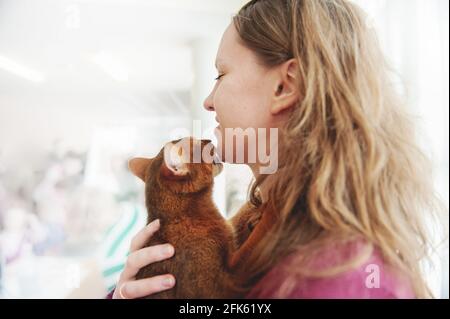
{"x": 267, "y": 219}
{"x": 244, "y": 221}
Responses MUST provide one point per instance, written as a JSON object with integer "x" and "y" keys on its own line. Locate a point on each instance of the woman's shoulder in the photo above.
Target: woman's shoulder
{"x": 370, "y": 277}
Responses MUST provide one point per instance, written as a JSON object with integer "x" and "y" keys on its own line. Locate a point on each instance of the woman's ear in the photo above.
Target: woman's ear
{"x": 286, "y": 91}
{"x": 138, "y": 166}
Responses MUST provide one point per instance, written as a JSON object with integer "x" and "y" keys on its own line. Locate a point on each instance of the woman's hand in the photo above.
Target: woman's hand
{"x": 128, "y": 287}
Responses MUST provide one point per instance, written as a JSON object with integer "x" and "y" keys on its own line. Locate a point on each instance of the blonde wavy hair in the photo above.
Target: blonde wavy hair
{"x": 351, "y": 168}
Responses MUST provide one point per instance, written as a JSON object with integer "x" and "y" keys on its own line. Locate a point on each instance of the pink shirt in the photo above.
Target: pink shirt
{"x": 372, "y": 279}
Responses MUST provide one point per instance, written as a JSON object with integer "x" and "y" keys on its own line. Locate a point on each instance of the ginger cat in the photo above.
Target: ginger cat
{"x": 179, "y": 193}
{"x": 208, "y": 248}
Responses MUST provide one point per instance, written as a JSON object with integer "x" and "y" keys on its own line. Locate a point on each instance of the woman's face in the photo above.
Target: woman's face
{"x": 243, "y": 94}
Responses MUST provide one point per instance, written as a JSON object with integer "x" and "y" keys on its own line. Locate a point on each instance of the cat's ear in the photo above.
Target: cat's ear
{"x": 175, "y": 161}
{"x": 138, "y": 166}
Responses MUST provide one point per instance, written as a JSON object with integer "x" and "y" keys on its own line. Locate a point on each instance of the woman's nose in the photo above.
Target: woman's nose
{"x": 208, "y": 104}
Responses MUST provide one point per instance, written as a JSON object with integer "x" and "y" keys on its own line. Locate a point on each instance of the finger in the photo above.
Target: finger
{"x": 144, "y": 257}
{"x": 141, "y": 238}
{"x": 145, "y": 287}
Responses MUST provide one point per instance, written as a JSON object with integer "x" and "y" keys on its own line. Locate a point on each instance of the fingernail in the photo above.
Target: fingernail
{"x": 156, "y": 223}
{"x": 168, "y": 282}
{"x": 121, "y": 291}
{"x": 167, "y": 250}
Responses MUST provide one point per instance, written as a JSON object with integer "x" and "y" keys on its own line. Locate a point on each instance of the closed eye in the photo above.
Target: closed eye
{"x": 219, "y": 77}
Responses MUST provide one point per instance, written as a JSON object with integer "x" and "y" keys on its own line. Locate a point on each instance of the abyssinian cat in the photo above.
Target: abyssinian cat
{"x": 179, "y": 193}
{"x": 208, "y": 248}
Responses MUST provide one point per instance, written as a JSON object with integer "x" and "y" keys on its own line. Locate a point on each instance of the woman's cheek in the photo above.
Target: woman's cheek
{"x": 224, "y": 107}
{"x": 234, "y": 107}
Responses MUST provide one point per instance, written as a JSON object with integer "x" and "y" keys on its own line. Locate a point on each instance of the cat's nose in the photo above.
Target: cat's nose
{"x": 218, "y": 168}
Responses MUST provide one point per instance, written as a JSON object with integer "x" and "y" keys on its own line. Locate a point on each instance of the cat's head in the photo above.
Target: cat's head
{"x": 183, "y": 166}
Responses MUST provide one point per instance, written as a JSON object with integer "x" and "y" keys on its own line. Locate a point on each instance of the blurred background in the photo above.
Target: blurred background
{"x": 87, "y": 84}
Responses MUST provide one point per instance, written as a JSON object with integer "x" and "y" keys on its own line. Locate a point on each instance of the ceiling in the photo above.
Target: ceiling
{"x": 95, "y": 45}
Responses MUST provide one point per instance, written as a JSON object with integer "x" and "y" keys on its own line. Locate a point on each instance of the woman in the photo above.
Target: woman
{"x": 351, "y": 187}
